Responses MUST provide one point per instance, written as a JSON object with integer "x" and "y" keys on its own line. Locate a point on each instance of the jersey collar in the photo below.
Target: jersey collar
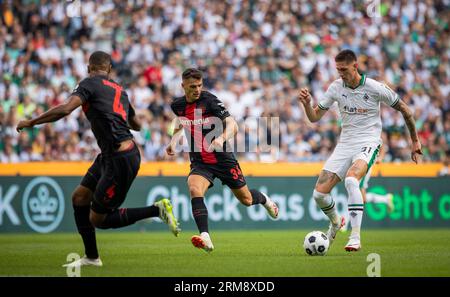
{"x": 362, "y": 81}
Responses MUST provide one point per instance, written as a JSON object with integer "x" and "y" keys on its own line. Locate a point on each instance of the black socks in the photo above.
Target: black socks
{"x": 257, "y": 197}
{"x": 86, "y": 230}
{"x": 127, "y": 216}
{"x": 200, "y": 214}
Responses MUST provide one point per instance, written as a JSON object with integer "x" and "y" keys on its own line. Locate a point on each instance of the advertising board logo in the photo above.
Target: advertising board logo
{"x": 43, "y": 204}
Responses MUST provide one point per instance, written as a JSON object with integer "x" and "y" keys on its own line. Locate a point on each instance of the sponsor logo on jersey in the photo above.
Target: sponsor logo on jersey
{"x": 187, "y": 122}
{"x": 355, "y": 110}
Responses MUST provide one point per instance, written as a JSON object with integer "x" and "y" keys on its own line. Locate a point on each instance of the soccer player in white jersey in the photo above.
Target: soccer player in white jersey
{"x": 358, "y": 99}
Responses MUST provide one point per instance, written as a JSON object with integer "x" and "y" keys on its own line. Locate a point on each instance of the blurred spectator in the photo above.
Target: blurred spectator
{"x": 255, "y": 56}
{"x": 445, "y": 170}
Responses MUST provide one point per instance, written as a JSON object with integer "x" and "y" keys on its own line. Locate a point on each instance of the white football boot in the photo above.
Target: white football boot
{"x": 271, "y": 207}
{"x": 85, "y": 261}
{"x": 203, "y": 241}
{"x": 333, "y": 229}
{"x": 353, "y": 244}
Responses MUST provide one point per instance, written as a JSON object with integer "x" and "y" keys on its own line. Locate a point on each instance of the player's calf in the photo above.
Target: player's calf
{"x": 328, "y": 206}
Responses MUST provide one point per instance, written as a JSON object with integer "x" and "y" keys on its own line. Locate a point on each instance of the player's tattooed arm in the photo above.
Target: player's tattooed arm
{"x": 411, "y": 124}
{"x": 53, "y": 114}
{"x": 409, "y": 119}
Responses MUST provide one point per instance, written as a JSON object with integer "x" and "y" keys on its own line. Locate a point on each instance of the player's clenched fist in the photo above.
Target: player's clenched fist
{"x": 305, "y": 96}
{"x": 24, "y": 124}
{"x": 170, "y": 149}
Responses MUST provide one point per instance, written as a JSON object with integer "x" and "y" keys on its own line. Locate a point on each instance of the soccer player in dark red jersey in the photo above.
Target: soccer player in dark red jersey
{"x": 103, "y": 189}
{"x": 197, "y": 113}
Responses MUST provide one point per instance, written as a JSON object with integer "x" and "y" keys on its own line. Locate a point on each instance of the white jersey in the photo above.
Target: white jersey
{"x": 359, "y": 108}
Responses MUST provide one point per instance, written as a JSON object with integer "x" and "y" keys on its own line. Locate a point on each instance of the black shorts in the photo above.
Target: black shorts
{"x": 229, "y": 173}
{"x": 110, "y": 178}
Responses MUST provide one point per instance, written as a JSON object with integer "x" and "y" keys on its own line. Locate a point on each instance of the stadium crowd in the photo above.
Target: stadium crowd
{"x": 255, "y": 56}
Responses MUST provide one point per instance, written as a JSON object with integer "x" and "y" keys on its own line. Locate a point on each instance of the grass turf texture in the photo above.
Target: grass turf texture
{"x": 416, "y": 252}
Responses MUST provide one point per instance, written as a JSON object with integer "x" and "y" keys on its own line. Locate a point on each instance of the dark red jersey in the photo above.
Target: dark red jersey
{"x": 200, "y": 120}
{"x": 107, "y": 108}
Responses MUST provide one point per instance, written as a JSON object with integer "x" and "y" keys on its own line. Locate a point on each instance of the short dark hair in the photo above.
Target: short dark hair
{"x": 192, "y": 73}
{"x": 347, "y": 56}
{"x": 100, "y": 60}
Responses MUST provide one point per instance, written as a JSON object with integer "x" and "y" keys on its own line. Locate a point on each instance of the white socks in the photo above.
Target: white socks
{"x": 326, "y": 203}
{"x": 355, "y": 204}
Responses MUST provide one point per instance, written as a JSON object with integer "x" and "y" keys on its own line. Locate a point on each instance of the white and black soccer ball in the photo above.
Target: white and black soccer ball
{"x": 316, "y": 243}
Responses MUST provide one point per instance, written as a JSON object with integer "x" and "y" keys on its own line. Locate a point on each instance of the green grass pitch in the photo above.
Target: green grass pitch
{"x": 416, "y": 252}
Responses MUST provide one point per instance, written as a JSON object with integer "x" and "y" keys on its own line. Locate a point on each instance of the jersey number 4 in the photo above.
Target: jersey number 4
{"x": 117, "y": 105}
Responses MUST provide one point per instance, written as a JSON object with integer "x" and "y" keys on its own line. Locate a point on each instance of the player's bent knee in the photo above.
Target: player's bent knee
{"x": 325, "y": 189}
{"x": 352, "y": 173}
{"x": 317, "y": 195}
{"x": 80, "y": 197}
{"x": 351, "y": 182}
{"x": 195, "y": 191}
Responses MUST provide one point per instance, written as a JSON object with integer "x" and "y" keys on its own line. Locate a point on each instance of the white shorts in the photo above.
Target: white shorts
{"x": 344, "y": 155}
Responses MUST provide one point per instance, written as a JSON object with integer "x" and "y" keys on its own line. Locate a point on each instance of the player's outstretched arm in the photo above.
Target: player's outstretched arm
{"x": 53, "y": 114}
{"x": 231, "y": 128}
{"x": 135, "y": 124}
{"x": 313, "y": 114}
{"x": 411, "y": 124}
{"x": 133, "y": 121}
{"x": 177, "y": 133}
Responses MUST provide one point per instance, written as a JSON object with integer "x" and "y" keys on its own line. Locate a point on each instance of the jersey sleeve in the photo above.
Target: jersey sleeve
{"x": 328, "y": 98}
{"x": 218, "y": 109}
{"x": 131, "y": 112}
{"x": 172, "y": 107}
{"x": 84, "y": 90}
{"x": 387, "y": 95}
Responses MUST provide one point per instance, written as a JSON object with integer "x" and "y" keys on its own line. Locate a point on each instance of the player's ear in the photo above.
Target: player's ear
{"x": 356, "y": 65}
{"x": 110, "y": 68}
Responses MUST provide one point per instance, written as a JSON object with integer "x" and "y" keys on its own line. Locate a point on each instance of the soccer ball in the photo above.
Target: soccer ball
{"x": 316, "y": 243}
